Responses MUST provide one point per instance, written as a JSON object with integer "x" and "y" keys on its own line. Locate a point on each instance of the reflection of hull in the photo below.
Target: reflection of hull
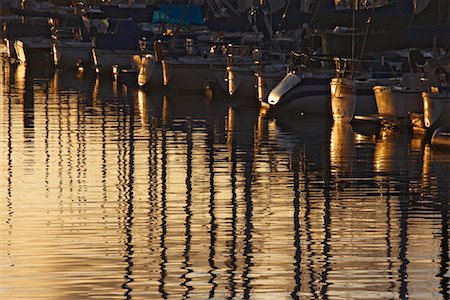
{"x": 436, "y": 109}
{"x": 392, "y": 148}
{"x": 343, "y": 99}
{"x": 35, "y": 50}
{"x": 68, "y": 55}
{"x": 315, "y": 128}
{"x": 297, "y": 95}
{"x": 342, "y": 147}
{"x": 396, "y": 103}
{"x": 150, "y": 72}
{"x": 106, "y": 59}
{"x": 172, "y": 105}
{"x": 188, "y": 74}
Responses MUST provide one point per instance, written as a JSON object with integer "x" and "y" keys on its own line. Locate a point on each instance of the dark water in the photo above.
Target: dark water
{"x": 115, "y": 193}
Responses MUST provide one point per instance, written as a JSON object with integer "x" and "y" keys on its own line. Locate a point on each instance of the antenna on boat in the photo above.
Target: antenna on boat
{"x": 353, "y": 36}
{"x": 369, "y": 20}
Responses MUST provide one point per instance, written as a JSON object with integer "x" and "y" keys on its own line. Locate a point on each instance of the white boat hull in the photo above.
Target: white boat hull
{"x": 150, "y": 72}
{"x": 33, "y": 50}
{"x": 10, "y": 51}
{"x": 301, "y": 95}
{"x": 436, "y": 109}
{"x": 67, "y": 55}
{"x": 104, "y": 60}
{"x": 189, "y": 75}
{"x": 365, "y": 102}
{"x": 396, "y": 104}
{"x": 343, "y": 99}
{"x": 241, "y": 82}
{"x": 265, "y": 82}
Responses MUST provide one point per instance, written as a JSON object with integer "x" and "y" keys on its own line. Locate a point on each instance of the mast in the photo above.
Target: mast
{"x": 353, "y": 36}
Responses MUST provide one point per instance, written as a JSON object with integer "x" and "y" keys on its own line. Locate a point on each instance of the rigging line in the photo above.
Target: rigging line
{"x": 315, "y": 12}
{"x": 366, "y": 33}
{"x": 316, "y": 8}
{"x": 172, "y": 41}
{"x": 427, "y": 7}
{"x": 353, "y": 37}
{"x": 231, "y": 7}
{"x": 286, "y": 9}
{"x": 411, "y": 20}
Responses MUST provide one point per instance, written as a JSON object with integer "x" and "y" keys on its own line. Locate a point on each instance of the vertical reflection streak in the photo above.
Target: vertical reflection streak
{"x": 388, "y": 242}
{"x": 186, "y": 264}
{"x": 403, "y": 272}
{"x": 213, "y": 225}
{"x": 60, "y": 154}
{"x": 327, "y": 229}
{"x": 163, "y": 264}
{"x": 81, "y": 150}
{"x": 248, "y": 244}
{"x": 152, "y": 161}
{"x": 233, "y": 249}
{"x": 120, "y": 165}
{"x": 308, "y": 230}
{"x": 104, "y": 166}
{"x": 444, "y": 264}
{"x": 9, "y": 179}
{"x": 46, "y": 147}
{"x": 28, "y": 105}
{"x": 69, "y": 145}
{"x": 297, "y": 243}
{"x": 130, "y": 207}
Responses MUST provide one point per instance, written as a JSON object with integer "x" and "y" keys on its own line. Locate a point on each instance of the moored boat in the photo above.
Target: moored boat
{"x": 441, "y": 138}
{"x": 33, "y": 50}
{"x": 190, "y": 73}
{"x": 71, "y": 54}
{"x": 343, "y": 99}
{"x": 149, "y": 70}
{"x": 37, "y": 28}
{"x": 304, "y": 90}
{"x": 302, "y": 93}
{"x": 117, "y": 45}
{"x": 395, "y": 103}
{"x": 343, "y": 90}
{"x": 71, "y": 46}
{"x": 436, "y": 109}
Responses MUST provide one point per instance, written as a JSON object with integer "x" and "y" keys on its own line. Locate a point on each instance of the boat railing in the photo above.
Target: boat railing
{"x": 351, "y": 67}
{"x": 301, "y": 61}
{"x": 67, "y": 33}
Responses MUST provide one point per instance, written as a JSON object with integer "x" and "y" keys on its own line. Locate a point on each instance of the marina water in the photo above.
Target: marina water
{"x": 111, "y": 192}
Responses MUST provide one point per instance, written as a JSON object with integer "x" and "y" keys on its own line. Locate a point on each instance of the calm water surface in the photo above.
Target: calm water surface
{"x": 115, "y": 193}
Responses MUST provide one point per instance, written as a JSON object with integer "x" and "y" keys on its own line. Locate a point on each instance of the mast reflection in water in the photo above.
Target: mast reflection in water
{"x": 115, "y": 193}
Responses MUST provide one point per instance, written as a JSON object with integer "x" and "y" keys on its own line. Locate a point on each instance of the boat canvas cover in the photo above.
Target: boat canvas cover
{"x": 178, "y": 14}
{"x": 123, "y": 26}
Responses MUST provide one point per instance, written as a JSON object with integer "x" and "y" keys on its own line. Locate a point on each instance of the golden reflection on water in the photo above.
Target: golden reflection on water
{"x": 342, "y": 147}
{"x": 111, "y": 193}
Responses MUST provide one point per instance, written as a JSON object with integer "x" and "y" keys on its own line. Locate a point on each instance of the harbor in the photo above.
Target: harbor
{"x": 225, "y": 150}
